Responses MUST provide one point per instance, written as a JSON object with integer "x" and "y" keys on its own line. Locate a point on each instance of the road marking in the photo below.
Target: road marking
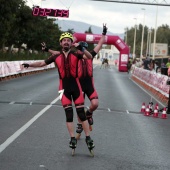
{"x": 4, "y": 145}
{"x": 109, "y": 110}
{"x": 12, "y": 102}
{"x": 30, "y": 103}
{"x": 127, "y": 111}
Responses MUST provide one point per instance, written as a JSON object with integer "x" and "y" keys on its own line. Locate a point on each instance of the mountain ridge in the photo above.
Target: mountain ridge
{"x": 81, "y": 27}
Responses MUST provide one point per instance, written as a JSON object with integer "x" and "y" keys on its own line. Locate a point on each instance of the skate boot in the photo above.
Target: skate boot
{"x": 73, "y": 145}
{"x": 90, "y": 145}
{"x": 79, "y": 129}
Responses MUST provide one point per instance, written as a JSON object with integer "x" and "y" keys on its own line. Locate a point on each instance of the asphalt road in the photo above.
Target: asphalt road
{"x": 33, "y": 134}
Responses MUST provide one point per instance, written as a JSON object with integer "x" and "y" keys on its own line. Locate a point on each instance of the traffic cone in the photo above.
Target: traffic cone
{"x": 155, "y": 112}
{"x": 164, "y": 115}
{"x": 143, "y": 108}
{"x": 157, "y": 106}
{"x": 147, "y": 111}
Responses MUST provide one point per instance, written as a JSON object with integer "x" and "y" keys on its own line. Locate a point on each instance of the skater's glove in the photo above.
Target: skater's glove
{"x": 25, "y": 65}
{"x": 83, "y": 44}
{"x": 104, "y": 29}
{"x": 44, "y": 47}
{"x": 80, "y": 47}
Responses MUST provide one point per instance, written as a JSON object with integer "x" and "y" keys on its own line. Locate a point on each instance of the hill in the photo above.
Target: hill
{"x": 81, "y": 27}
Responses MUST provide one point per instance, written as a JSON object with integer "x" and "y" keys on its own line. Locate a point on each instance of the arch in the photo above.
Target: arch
{"x": 110, "y": 40}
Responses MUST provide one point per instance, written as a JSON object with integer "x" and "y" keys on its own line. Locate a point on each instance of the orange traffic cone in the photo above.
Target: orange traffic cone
{"x": 155, "y": 113}
{"x": 147, "y": 111}
{"x": 143, "y": 108}
{"x": 164, "y": 115}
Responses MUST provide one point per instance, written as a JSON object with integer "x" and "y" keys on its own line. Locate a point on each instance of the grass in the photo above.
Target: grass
{"x": 22, "y": 56}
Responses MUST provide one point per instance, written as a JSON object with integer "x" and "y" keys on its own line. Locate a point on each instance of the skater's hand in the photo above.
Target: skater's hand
{"x": 26, "y": 65}
{"x": 80, "y": 47}
{"x": 104, "y": 29}
{"x": 83, "y": 44}
{"x": 44, "y": 47}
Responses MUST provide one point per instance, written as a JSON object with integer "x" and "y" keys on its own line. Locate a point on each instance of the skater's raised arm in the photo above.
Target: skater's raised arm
{"x": 102, "y": 40}
{"x": 44, "y": 48}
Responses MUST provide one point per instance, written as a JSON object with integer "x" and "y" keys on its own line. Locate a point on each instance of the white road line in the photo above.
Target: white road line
{"x": 109, "y": 110}
{"x": 30, "y": 103}
{"x": 12, "y": 102}
{"x": 127, "y": 111}
{"x": 24, "y": 127}
{"x": 87, "y": 107}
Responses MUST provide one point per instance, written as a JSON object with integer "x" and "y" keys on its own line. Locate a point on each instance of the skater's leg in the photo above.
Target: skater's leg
{"x": 89, "y": 113}
{"x": 70, "y": 127}
{"x": 85, "y": 125}
{"x": 94, "y": 103}
{"x": 82, "y": 116}
{"x": 69, "y": 120}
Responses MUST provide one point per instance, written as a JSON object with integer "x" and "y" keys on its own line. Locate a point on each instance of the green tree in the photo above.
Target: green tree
{"x": 90, "y": 46}
{"x": 8, "y": 11}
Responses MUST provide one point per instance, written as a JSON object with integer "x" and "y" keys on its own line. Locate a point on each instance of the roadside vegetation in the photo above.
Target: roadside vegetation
{"x": 21, "y": 33}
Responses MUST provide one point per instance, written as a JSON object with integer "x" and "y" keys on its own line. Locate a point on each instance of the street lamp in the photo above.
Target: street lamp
{"x": 126, "y": 29}
{"x": 154, "y": 41}
{"x": 150, "y": 39}
{"x": 142, "y": 35}
{"x": 134, "y": 43}
{"x": 148, "y": 42}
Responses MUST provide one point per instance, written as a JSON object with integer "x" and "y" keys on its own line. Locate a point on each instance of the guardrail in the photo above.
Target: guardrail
{"x": 12, "y": 69}
{"x": 155, "y": 83}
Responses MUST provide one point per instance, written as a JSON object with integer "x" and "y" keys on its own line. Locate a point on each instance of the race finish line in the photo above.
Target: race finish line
{"x": 58, "y": 105}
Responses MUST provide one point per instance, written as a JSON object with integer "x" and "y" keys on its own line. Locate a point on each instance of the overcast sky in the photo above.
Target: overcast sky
{"x": 117, "y": 16}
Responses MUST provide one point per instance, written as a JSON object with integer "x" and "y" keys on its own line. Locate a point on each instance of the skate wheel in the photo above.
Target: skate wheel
{"x": 91, "y": 152}
{"x": 73, "y": 152}
{"x": 90, "y": 127}
{"x": 78, "y": 135}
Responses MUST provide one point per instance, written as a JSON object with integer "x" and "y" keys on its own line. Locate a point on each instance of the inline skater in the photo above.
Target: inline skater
{"x": 67, "y": 64}
{"x": 87, "y": 81}
{"x": 85, "y": 74}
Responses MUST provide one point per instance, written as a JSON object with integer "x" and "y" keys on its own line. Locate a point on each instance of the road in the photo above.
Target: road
{"x": 33, "y": 134}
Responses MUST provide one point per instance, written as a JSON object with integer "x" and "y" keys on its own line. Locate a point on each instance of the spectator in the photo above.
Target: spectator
{"x": 157, "y": 67}
{"x": 146, "y": 63}
{"x": 168, "y": 63}
{"x": 152, "y": 65}
{"x": 129, "y": 66}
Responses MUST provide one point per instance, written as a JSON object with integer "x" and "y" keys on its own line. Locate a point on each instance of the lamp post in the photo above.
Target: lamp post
{"x": 126, "y": 29}
{"x": 150, "y": 39}
{"x": 141, "y": 51}
{"x": 147, "y": 43}
{"x": 154, "y": 40}
{"x": 134, "y": 43}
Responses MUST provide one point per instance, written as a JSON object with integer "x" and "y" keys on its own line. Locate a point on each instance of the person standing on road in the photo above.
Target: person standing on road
{"x": 67, "y": 64}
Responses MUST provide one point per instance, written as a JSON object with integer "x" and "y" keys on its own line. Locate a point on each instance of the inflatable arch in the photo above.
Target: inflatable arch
{"x": 110, "y": 40}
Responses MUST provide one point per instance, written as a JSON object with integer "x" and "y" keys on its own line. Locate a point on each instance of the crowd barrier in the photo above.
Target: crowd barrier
{"x": 155, "y": 83}
{"x": 12, "y": 69}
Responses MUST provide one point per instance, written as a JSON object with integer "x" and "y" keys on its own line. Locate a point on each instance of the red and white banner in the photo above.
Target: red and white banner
{"x": 8, "y": 68}
{"x": 152, "y": 79}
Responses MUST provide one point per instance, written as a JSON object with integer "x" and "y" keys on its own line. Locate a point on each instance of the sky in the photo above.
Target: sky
{"x": 117, "y": 16}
